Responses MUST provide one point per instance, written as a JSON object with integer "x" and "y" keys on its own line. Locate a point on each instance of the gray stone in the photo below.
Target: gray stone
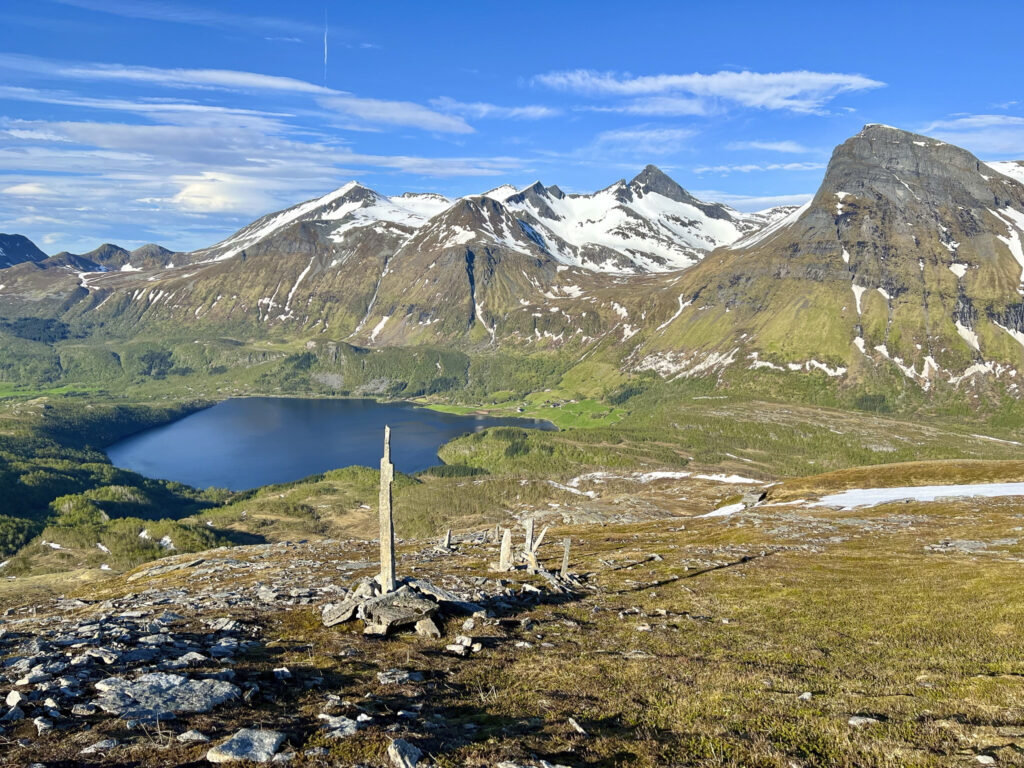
{"x": 13, "y": 715}
{"x": 395, "y": 609}
{"x": 505, "y": 559}
{"x": 100, "y": 746}
{"x": 193, "y": 737}
{"x": 42, "y": 725}
{"x": 859, "y": 721}
{"x": 387, "y": 525}
{"x": 14, "y": 698}
{"x": 158, "y": 695}
{"x": 399, "y": 677}
{"x": 403, "y": 754}
{"x": 427, "y": 628}
{"x": 247, "y": 744}
{"x": 339, "y": 727}
{"x": 339, "y": 613}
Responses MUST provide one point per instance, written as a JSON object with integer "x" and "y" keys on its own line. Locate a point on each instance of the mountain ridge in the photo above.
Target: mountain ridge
{"x": 907, "y": 259}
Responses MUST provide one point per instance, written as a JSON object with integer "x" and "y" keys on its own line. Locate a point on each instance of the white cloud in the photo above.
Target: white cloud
{"x": 790, "y": 147}
{"x": 211, "y": 191}
{"x": 753, "y": 202}
{"x": 404, "y": 113}
{"x": 752, "y": 167}
{"x": 798, "y": 91}
{"x": 28, "y": 189}
{"x": 658, "y": 106}
{"x": 185, "y": 14}
{"x": 644, "y": 140}
{"x": 481, "y": 109}
{"x": 374, "y": 111}
{"x": 997, "y": 137}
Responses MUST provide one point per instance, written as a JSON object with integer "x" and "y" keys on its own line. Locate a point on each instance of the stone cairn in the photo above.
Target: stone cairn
{"x": 510, "y": 560}
{"x": 385, "y": 602}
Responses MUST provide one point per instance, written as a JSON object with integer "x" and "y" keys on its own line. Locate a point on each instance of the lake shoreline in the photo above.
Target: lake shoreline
{"x": 243, "y": 443}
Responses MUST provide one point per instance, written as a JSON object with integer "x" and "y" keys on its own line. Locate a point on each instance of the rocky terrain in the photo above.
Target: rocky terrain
{"x": 686, "y": 639}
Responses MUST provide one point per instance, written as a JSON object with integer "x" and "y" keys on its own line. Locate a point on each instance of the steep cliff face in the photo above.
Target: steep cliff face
{"x": 908, "y": 255}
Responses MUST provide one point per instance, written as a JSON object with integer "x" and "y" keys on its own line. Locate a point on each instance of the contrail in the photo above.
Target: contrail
{"x": 325, "y": 45}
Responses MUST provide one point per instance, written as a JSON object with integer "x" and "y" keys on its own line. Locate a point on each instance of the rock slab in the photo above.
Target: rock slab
{"x": 248, "y": 744}
{"x": 158, "y": 695}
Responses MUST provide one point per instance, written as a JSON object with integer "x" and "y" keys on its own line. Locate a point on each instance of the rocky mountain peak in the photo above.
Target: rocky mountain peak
{"x": 653, "y": 179}
{"x": 15, "y": 249}
{"x": 906, "y": 167}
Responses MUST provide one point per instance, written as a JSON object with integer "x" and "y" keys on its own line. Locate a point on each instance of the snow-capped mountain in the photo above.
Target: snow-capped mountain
{"x": 347, "y": 210}
{"x": 650, "y": 224}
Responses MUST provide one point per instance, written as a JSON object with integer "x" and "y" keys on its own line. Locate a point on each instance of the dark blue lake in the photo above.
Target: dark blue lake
{"x": 248, "y": 442}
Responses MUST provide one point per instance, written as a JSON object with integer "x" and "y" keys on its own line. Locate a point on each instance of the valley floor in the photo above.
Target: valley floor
{"x": 779, "y": 636}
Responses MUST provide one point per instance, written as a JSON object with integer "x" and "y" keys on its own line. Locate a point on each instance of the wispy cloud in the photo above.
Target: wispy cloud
{"x": 177, "y": 13}
{"x": 753, "y": 202}
{"x": 657, "y": 106}
{"x": 646, "y": 140}
{"x": 404, "y": 113}
{"x": 373, "y": 111}
{"x": 797, "y": 91}
{"x": 483, "y": 110}
{"x": 997, "y": 137}
{"x": 754, "y": 167}
{"x": 789, "y": 147}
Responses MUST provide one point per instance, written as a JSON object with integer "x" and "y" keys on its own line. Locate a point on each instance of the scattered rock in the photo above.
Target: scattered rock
{"x": 100, "y": 746}
{"x": 193, "y": 737}
{"x": 159, "y": 695}
{"x": 859, "y": 721}
{"x": 399, "y": 677}
{"x": 247, "y": 744}
{"x": 403, "y": 754}
{"x": 427, "y": 628}
{"x": 339, "y": 727}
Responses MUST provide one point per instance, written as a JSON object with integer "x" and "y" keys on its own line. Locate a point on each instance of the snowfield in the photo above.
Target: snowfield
{"x": 872, "y": 497}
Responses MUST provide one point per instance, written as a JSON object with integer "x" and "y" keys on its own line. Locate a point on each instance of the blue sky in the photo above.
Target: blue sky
{"x": 143, "y": 120}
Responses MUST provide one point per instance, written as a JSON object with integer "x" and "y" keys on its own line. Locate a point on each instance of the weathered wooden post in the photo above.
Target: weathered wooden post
{"x": 565, "y": 559}
{"x": 505, "y": 561}
{"x": 446, "y": 541}
{"x": 387, "y": 523}
{"x": 529, "y": 535}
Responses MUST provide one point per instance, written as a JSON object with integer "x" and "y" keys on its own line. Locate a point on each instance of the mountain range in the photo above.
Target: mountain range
{"x": 907, "y": 261}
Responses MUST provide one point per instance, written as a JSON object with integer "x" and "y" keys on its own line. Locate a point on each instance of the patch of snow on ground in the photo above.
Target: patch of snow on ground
{"x": 968, "y": 335}
{"x": 1010, "y": 168}
{"x": 379, "y": 327}
{"x": 858, "y": 293}
{"x": 734, "y": 479}
{"x": 872, "y": 497}
{"x": 1017, "y": 335}
{"x": 679, "y": 311}
{"x": 725, "y": 511}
